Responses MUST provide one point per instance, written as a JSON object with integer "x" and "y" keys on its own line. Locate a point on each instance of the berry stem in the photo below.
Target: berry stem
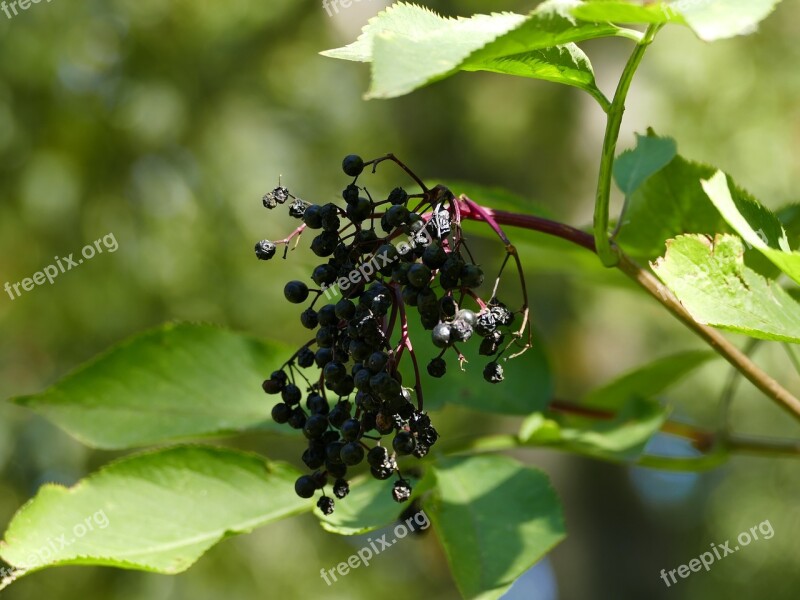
{"x": 399, "y": 163}
{"x": 292, "y": 235}
{"x": 768, "y": 386}
{"x": 487, "y": 215}
{"x": 405, "y": 343}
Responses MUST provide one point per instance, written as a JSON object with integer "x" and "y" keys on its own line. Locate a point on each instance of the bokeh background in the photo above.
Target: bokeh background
{"x": 165, "y": 122}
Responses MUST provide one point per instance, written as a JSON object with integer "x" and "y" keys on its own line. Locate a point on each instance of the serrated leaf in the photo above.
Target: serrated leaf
{"x": 411, "y": 46}
{"x": 651, "y": 154}
{"x": 623, "y": 11}
{"x": 718, "y": 19}
{"x": 709, "y": 19}
{"x": 649, "y": 380}
{"x": 173, "y": 382}
{"x": 158, "y": 511}
{"x": 565, "y": 64}
{"x": 714, "y": 285}
{"x": 755, "y": 223}
{"x": 400, "y": 17}
{"x": 495, "y": 518}
{"x": 668, "y": 203}
{"x": 619, "y": 439}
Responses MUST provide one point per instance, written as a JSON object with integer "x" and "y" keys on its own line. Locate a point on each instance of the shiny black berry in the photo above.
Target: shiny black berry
{"x": 434, "y": 256}
{"x": 351, "y": 429}
{"x": 312, "y": 217}
{"x": 437, "y": 367}
{"x": 441, "y": 335}
{"x": 305, "y": 358}
{"x": 351, "y": 453}
{"x": 314, "y": 457}
{"x": 398, "y": 196}
{"x": 419, "y": 275}
{"x": 324, "y": 274}
{"x": 296, "y": 292}
{"x": 305, "y": 486}
{"x": 350, "y": 193}
{"x": 339, "y": 414}
{"x": 281, "y": 412}
{"x": 308, "y": 318}
{"x": 298, "y": 418}
{"x": 315, "y": 426}
{"x": 273, "y": 386}
{"x": 352, "y": 165}
{"x": 359, "y": 210}
{"x": 325, "y": 243}
{"x": 334, "y": 372}
{"x": 337, "y": 470}
{"x": 316, "y": 404}
{"x": 345, "y": 309}
{"x": 291, "y": 394}
{"x": 404, "y": 442}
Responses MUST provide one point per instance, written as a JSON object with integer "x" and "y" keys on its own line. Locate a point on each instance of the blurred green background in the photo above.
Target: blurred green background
{"x": 165, "y": 122}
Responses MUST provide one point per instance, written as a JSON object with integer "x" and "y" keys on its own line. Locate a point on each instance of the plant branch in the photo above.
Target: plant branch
{"x": 605, "y": 250}
{"x": 758, "y": 445}
{"x": 655, "y": 288}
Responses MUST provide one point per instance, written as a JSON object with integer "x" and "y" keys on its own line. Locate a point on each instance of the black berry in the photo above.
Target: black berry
{"x": 352, "y": 165}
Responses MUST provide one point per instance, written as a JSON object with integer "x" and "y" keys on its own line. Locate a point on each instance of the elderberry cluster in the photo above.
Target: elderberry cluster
{"x": 366, "y": 286}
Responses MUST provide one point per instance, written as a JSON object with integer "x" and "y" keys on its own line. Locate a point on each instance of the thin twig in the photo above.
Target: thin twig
{"x": 655, "y": 288}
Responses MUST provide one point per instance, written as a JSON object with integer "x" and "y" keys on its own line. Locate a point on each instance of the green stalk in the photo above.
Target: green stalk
{"x": 605, "y": 251}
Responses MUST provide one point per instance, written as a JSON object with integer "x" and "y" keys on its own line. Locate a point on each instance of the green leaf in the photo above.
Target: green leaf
{"x": 157, "y": 511}
{"x": 400, "y": 18}
{"x": 169, "y": 383}
{"x": 495, "y": 518}
{"x": 718, "y": 19}
{"x": 565, "y": 64}
{"x": 368, "y": 506}
{"x": 622, "y": 11}
{"x": 714, "y": 285}
{"x": 666, "y": 204}
{"x": 790, "y": 219}
{"x": 528, "y": 385}
{"x": 411, "y": 47}
{"x": 648, "y": 381}
{"x": 620, "y": 439}
{"x": 709, "y": 19}
{"x": 745, "y": 215}
{"x": 651, "y": 154}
